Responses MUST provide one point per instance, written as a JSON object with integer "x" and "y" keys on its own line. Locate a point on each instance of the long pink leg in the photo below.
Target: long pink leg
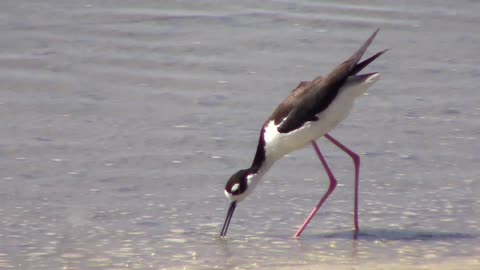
{"x": 356, "y": 162}
{"x": 331, "y": 188}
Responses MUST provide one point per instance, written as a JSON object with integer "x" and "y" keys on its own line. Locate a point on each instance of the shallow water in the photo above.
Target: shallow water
{"x": 122, "y": 120}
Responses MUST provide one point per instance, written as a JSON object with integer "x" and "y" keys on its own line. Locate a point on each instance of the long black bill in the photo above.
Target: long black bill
{"x": 231, "y": 209}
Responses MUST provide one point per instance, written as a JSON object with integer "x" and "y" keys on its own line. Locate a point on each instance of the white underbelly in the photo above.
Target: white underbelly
{"x": 279, "y": 144}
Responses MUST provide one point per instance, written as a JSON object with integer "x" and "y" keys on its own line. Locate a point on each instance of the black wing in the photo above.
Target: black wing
{"x": 317, "y": 95}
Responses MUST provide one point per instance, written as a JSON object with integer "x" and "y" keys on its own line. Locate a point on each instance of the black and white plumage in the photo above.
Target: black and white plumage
{"x": 312, "y": 110}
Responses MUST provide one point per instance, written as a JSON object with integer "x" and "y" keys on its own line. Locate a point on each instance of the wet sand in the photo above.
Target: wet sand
{"x": 457, "y": 264}
{"x": 122, "y": 120}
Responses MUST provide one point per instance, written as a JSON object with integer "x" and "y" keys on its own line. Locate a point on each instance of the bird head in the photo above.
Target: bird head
{"x": 236, "y": 189}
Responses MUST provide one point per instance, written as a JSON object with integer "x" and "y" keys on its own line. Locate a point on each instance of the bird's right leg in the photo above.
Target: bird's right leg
{"x": 356, "y": 162}
{"x": 331, "y": 188}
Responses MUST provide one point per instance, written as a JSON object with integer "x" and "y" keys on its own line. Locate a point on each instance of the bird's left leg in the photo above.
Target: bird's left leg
{"x": 356, "y": 162}
{"x": 331, "y": 188}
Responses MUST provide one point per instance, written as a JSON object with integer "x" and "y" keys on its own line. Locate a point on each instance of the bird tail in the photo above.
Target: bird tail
{"x": 351, "y": 66}
{"x": 358, "y": 67}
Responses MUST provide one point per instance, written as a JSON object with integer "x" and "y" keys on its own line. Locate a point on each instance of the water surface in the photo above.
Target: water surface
{"x": 121, "y": 122}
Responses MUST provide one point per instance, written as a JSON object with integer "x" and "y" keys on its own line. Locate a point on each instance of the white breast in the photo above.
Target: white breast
{"x": 279, "y": 144}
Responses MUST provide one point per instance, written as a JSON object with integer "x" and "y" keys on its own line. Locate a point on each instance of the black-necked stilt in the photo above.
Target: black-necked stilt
{"x": 312, "y": 110}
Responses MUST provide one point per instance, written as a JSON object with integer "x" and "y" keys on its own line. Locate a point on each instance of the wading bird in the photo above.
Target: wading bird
{"x": 312, "y": 110}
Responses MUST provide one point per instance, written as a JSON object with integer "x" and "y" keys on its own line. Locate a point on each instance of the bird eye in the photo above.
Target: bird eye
{"x": 235, "y": 187}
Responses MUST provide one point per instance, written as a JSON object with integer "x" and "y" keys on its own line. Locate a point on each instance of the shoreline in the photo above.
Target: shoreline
{"x": 458, "y": 263}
